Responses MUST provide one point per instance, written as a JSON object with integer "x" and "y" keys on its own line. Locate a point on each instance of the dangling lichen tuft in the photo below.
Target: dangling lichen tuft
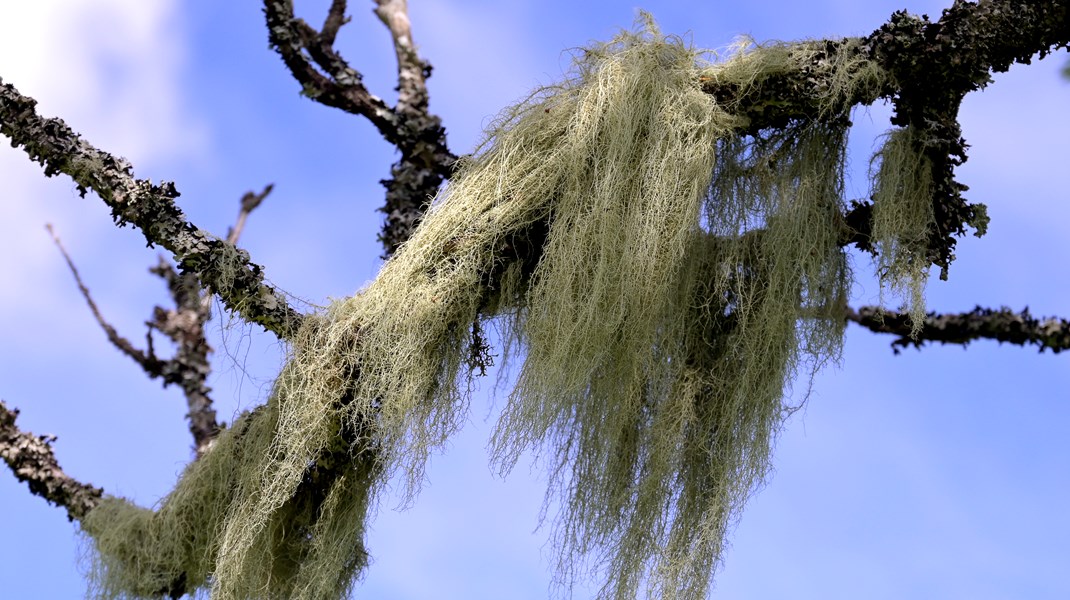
{"x": 903, "y": 220}
{"x": 658, "y": 350}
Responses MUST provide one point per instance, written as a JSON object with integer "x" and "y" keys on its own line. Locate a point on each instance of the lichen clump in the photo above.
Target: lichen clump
{"x": 903, "y": 219}
{"x": 685, "y": 275}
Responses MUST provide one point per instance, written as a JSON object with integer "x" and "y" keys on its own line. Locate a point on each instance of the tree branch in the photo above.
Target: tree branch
{"x": 1003, "y": 325}
{"x": 933, "y": 66}
{"x": 32, "y": 461}
{"x": 185, "y": 326}
{"x": 249, "y": 202}
{"x": 220, "y": 266}
{"x": 784, "y": 97}
{"x": 148, "y": 361}
{"x": 336, "y": 17}
{"x": 189, "y": 367}
{"x": 419, "y": 136}
{"x": 342, "y": 87}
{"x": 425, "y": 159}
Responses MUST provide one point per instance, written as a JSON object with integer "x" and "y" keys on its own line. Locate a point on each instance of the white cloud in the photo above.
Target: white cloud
{"x": 112, "y": 69}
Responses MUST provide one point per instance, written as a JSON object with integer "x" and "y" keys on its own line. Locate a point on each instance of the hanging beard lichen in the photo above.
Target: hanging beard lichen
{"x": 902, "y": 220}
{"x": 686, "y": 274}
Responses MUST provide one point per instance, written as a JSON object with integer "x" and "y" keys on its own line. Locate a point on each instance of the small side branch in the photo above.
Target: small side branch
{"x": 184, "y": 325}
{"x": 334, "y": 83}
{"x": 31, "y": 459}
{"x": 189, "y": 367}
{"x": 425, "y": 160}
{"x": 412, "y": 70}
{"x": 249, "y": 202}
{"x": 221, "y": 267}
{"x": 328, "y": 79}
{"x": 148, "y": 361}
{"x": 1003, "y": 325}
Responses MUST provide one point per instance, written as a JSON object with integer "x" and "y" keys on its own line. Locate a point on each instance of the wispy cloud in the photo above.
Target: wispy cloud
{"x": 113, "y": 70}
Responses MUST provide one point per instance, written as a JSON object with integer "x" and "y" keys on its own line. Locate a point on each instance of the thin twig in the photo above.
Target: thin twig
{"x": 1003, "y": 325}
{"x": 425, "y": 161}
{"x": 412, "y": 71}
{"x": 147, "y": 360}
{"x": 249, "y": 202}
{"x": 336, "y": 18}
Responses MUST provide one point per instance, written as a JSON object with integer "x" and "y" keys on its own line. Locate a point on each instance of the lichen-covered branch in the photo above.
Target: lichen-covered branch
{"x": 220, "y": 266}
{"x": 425, "y": 160}
{"x": 189, "y": 367}
{"x": 936, "y": 64}
{"x": 327, "y": 78}
{"x": 1003, "y": 325}
{"x": 371, "y": 386}
{"x": 334, "y": 83}
{"x": 933, "y": 65}
{"x": 31, "y": 459}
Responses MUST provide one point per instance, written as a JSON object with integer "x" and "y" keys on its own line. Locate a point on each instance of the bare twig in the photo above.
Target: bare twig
{"x": 185, "y": 326}
{"x": 1003, "y": 325}
{"x": 336, "y": 18}
{"x": 189, "y": 368}
{"x": 31, "y": 459}
{"x": 147, "y": 360}
{"x": 412, "y": 71}
{"x": 249, "y": 202}
{"x": 425, "y": 160}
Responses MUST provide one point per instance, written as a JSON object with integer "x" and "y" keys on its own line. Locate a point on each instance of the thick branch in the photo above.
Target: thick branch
{"x": 1003, "y": 325}
{"x": 31, "y": 459}
{"x": 937, "y": 64}
{"x": 982, "y": 36}
{"x": 220, "y": 266}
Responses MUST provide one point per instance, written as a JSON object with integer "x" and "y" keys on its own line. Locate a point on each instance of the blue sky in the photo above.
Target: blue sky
{"x": 933, "y": 474}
